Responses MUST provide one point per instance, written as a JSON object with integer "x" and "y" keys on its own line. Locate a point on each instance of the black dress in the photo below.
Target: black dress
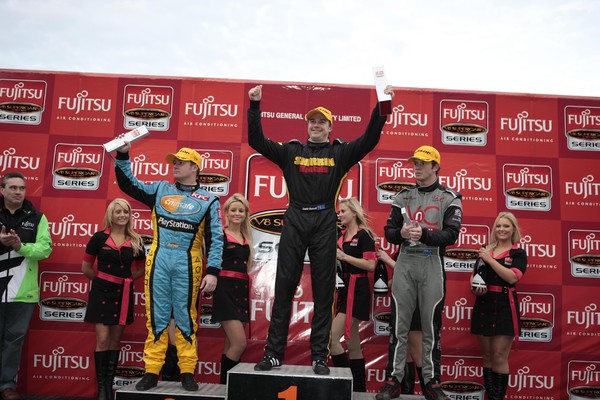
{"x": 231, "y": 297}
{"x": 361, "y": 245}
{"x": 492, "y": 315}
{"x": 106, "y": 297}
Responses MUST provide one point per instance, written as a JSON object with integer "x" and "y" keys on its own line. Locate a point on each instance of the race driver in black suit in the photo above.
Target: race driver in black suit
{"x": 314, "y": 173}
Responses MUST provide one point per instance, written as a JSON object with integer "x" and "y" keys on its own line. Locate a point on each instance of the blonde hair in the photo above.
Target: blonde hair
{"x": 136, "y": 240}
{"x": 516, "y": 235}
{"x": 245, "y": 225}
{"x": 362, "y": 221}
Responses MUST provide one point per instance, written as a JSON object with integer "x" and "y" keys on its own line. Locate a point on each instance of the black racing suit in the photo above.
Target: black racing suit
{"x": 313, "y": 173}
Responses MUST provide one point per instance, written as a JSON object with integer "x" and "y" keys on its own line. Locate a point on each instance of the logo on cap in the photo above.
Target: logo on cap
{"x": 186, "y": 154}
{"x": 326, "y": 113}
{"x": 427, "y": 154}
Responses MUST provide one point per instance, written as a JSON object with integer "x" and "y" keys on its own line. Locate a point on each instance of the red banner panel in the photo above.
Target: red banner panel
{"x": 533, "y": 155}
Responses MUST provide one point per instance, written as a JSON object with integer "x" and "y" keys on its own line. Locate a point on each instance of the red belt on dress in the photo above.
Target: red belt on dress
{"x": 350, "y": 302}
{"x": 234, "y": 274}
{"x": 126, "y": 282}
{"x": 513, "y": 308}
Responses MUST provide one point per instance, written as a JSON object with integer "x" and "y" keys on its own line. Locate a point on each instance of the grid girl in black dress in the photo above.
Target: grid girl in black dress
{"x": 231, "y": 297}
{"x": 120, "y": 255}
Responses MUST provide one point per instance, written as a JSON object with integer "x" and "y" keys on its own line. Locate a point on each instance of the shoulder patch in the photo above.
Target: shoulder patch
{"x": 200, "y": 196}
{"x": 451, "y": 192}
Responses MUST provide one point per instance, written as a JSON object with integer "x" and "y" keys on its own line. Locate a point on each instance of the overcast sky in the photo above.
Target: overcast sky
{"x": 523, "y": 46}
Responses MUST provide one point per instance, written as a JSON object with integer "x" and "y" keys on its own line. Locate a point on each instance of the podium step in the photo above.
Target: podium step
{"x": 172, "y": 391}
{"x": 289, "y": 382}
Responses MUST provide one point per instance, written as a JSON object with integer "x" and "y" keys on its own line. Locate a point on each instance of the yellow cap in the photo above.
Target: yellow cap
{"x": 186, "y": 154}
{"x": 427, "y": 154}
{"x": 321, "y": 110}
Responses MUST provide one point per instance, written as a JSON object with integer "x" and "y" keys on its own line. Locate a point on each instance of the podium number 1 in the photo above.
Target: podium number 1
{"x": 290, "y": 393}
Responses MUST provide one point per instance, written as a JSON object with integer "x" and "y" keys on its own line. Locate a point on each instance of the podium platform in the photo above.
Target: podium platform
{"x": 289, "y": 382}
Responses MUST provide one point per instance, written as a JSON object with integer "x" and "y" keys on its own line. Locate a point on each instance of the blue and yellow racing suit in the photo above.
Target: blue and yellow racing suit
{"x": 183, "y": 217}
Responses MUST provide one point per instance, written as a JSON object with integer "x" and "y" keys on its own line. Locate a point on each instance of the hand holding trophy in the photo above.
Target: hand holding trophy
{"x": 409, "y": 222}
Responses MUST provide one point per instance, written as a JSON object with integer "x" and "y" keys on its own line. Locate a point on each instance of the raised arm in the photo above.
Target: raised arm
{"x": 358, "y": 148}
{"x": 256, "y": 139}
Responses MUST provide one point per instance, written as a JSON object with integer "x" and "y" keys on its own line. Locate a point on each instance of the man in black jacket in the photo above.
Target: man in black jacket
{"x": 24, "y": 240}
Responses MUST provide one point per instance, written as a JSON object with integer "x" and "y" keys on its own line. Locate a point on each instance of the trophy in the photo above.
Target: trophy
{"x": 408, "y": 221}
{"x": 384, "y": 99}
{"x": 130, "y": 137}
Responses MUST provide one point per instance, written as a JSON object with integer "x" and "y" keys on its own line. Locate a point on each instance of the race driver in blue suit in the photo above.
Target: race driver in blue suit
{"x": 184, "y": 218}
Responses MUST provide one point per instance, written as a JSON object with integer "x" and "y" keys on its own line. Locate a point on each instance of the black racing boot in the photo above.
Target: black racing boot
{"x": 433, "y": 391}
{"x": 408, "y": 381}
{"x": 357, "y": 366}
{"x": 320, "y": 367}
{"x": 100, "y": 361}
{"x": 226, "y": 365}
{"x": 267, "y": 363}
{"x": 189, "y": 382}
{"x": 148, "y": 381}
{"x": 391, "y": 390}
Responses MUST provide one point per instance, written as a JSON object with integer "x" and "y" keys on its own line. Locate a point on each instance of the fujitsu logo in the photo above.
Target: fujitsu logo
{"x": 139, "y": 298}
{"x": 461, "y": 181}
{"x": 208, "y": 108}
{"x": 525, "y": 380}
{"x": 462, "y": 113}
{"x": 62, "y": 285}
{"x": 589, "y": 317}
{"x": 127, "y": 356}
{"x": 276, "y": 186}
{"x": 141, "y": 224}
{"x": 214, "y": 163}
{"x": 530, "y": 307}
{"x": 471, "y": 240}
{"x": 9, "y": 160}
{"x": 523, "y": 178}
{"x": 396, "y": 171}
{"x": 81, "y": 102}
{"x": 587, "y": 244}
{"x": 300, "y": 309}
{"x": 587, "y": 376}
{"x": 139, "y": 167}
{"x": 20, "y": 92}
{"x": 60, "y": 360}
{"x": 78, "y": 157}
{"x": 537, "y": 249}
{"x": 147, "y": 98}
{"x": 458, "y": 312}
{"x": 522, "y": 123}
{"x": 585, "y": 119}
{"x": 587, "y": 187}
{"x": 401, "y": 118}
{"x": 462, "y": 371}
{"x": 66, "y": 227}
